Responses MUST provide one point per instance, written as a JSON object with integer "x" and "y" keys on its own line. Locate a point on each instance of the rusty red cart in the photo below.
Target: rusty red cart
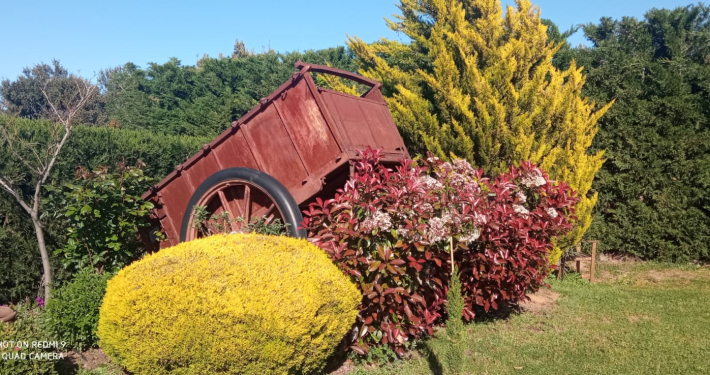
{"x": 295, "y": 145}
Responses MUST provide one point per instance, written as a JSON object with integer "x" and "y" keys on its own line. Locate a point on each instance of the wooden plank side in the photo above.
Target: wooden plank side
{"x": 273, "y": 148}
{"x": 307, "y": 127}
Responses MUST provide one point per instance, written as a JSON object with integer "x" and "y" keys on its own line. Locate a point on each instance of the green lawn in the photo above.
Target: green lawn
{"x": 643, "y": 318}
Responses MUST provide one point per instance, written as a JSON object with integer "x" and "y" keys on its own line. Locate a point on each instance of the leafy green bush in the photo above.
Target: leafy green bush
{"x": 103, "y": 213}
{"x": 25, "y": 329}
{"x": 89, "y": 147}
{"x": 72, "y": 315}
{"x": 237, "y": 304}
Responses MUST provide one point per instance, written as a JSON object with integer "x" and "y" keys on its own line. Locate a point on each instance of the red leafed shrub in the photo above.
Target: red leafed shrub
{"x": 390, "y": 231}
{"x": 523, "y": 213}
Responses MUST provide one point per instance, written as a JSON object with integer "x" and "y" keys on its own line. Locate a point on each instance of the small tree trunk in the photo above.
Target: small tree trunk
{"x": 47, "y": 277}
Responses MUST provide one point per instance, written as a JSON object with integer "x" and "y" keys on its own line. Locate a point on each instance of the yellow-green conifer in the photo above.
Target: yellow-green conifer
{"x": 478, "y": 83}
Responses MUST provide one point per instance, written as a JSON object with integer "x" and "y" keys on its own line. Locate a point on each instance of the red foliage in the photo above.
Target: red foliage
{"x": 390, "y": 231}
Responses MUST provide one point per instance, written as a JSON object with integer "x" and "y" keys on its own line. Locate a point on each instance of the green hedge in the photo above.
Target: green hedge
{"x": 653, "y": 188}
{"x": 89, "y": 147}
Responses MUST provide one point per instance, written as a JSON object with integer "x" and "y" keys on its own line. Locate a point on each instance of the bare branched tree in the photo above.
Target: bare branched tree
{"x": 40, "y": 159}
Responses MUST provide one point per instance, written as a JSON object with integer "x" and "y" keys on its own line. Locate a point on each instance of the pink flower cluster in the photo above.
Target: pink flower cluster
{"x": 378, "y": 220}
{"x": 533, "y": 178}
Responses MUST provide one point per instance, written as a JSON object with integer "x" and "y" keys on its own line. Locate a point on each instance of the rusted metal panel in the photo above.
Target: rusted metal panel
{"x": 302, "y": 135}
{"x": 203, "y": 168}
{"x": 175, "y": 197}
{"x": 382, "y": 125}
{"x": 234, "y": 152}
{"x": 366, "y": 122}
{"x": 307, "y": 127}
{"x": 273, "y": 148}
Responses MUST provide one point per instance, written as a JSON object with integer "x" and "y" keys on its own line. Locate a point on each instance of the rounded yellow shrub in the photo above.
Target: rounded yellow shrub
{"x": 236, "y": 304}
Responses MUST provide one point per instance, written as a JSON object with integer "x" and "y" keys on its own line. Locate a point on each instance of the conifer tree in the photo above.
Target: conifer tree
{"x": 654, "y": 201}
{"x": 478, "y": 83}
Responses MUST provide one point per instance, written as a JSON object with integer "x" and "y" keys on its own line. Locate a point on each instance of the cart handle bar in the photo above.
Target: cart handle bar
{"x": 337, "y": 72}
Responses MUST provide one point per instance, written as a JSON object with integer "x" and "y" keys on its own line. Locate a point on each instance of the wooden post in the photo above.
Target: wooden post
{"x": 577, "y": 262}
{"x": 451, "y": 246}
{"x": 592, "y": 268}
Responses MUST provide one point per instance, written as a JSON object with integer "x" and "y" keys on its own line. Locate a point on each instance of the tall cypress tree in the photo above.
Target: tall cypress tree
{"x": 479, "y": 84}
{"x": 654, "y": 189}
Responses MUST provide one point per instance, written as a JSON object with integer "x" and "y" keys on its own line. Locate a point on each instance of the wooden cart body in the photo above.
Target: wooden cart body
{"x": 302, "y": 135}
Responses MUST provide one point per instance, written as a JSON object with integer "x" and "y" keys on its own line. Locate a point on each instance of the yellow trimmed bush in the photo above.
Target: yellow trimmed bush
{"x": 237, "y": 304}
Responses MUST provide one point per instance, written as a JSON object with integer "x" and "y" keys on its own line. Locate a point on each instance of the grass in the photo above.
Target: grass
{"x": 643, "y": 318}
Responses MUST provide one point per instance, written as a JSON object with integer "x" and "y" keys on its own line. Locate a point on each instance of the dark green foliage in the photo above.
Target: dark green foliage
{"x": 26, "y": 328}
{"x": 653, "y": 190}
{"x": 19, "y": 267}
{"x": 203, "y": 99}
{"x": 89, "y": 147}
{"x": 72, "y": 315}
{"x": 23, "y": 97}
{"x": 102, "y": 212}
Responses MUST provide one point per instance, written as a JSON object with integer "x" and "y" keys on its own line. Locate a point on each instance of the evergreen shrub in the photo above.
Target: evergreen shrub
{"x": 237, "y": 304}
{"x": 72, "y": 315}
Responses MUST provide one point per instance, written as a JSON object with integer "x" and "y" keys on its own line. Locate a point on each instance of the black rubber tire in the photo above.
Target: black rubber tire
{"x": 280, "y": 195}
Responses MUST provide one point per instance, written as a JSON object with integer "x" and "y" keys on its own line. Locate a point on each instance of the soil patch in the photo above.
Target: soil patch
{"x": 657, "y": 276}
{"x": 89, "y": 360}
{"x": 344, "y": 369}
{"x": 541, "y": 301}
{"x": 641, "y": 318}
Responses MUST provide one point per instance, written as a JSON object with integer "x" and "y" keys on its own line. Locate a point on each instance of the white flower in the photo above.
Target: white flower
{"x": 403, "y": 232}
{"x": 520, "y": 210}
{"x": 462, "y": 166}
{"x": 533, "y": 179}
{"x": 437, "y": 229}
{"x": 478, "y": 219}
{"x": 521, "y": 197}
{"x": 379, "y": 219}
{"x": 470, "y": 237}
{"x": 427, "y": 208}
{"x": 457, "y": 179}
{"x": 430, "y": 183}
{"x": 552, "y": 212}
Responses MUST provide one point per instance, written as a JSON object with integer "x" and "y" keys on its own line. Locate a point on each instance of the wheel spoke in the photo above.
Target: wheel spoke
{"x": 269, "y": 215}
{"x": 247, "y": 204}
{"x": 225, "y": 207}
{"x": 240, "y": 204}
{"x": 271, "y": 210}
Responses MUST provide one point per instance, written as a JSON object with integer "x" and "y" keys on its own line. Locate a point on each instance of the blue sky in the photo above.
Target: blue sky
{"x": 89, "y": 35}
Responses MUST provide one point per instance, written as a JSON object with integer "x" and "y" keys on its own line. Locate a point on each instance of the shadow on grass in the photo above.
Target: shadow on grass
{"x": 444, "y": 356}
{"x": 432, "y": 359}
{"x": 66, "y": 367}
{"x": 335, "y": 361}
{"x": 491, "y": 316}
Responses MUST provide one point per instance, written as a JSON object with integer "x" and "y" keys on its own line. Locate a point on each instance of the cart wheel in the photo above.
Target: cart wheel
{"x": 236, "y": 196}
